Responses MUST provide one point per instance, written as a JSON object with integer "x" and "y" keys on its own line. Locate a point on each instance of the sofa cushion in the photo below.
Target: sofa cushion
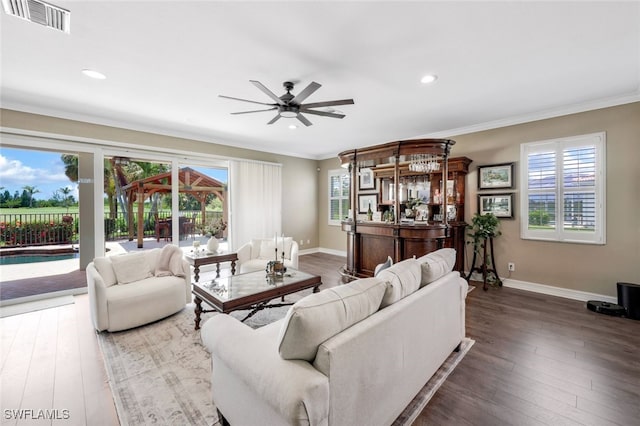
{"x": 403, "y": 278}
{"x": 319, "y": 316}
{"x": 131, "y": 267}
{"x": 436, "y": 264}
{"x": 105, "y": 269}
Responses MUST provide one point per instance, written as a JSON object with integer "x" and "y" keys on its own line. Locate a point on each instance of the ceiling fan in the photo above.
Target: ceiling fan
{"x": 290, "y": 106}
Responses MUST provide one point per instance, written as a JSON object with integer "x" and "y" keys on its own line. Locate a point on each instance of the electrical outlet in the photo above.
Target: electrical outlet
{"x": 308, "y": 242}
{"x": 512, "y": 267}
{"x": 301, "y": 243}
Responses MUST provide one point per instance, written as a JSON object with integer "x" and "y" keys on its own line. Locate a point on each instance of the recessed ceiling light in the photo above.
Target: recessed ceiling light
{"x": 429, "y": 78}
{"x": 94, "y": 74}
{"x": 293, "y": 126}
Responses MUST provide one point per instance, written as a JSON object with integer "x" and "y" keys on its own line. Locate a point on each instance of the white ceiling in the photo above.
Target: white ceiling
{"x": 166, "y": 63}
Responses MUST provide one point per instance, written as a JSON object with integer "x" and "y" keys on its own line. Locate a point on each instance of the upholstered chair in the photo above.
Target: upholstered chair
{"x": 254, "y": 255}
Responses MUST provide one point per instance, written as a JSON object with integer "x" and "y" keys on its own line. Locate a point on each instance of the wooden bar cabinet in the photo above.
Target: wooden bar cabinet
{"x": 402, "y": 227}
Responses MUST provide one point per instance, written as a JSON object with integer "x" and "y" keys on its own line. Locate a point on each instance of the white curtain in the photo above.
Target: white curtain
{"x": 255, "y": 200}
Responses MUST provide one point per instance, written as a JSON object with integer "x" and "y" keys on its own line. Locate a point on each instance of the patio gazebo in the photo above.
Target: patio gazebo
{"x": 190, "y": 181}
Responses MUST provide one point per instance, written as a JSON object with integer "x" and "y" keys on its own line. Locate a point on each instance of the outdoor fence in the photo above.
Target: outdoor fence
{"x": 19, "y": 230}
{"x": 38, "y": 229}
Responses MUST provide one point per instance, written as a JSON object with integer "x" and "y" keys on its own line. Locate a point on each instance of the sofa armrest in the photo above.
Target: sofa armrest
{"x": 244, "y": 254}
{"x": 248, "y": 359}
{"x": 97, "y": 298}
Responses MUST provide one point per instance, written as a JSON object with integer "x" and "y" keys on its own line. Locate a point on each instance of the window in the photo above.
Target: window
{"x": 564, "y": 189}
{"x": 339, "y": 183}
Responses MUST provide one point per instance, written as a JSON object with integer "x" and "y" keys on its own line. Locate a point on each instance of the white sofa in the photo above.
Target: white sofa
{"x": 254, "y": 255}
{"x": 132, "y": 289}
{"x": 350, "y": 355}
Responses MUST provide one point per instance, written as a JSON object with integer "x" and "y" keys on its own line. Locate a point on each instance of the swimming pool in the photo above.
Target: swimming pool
{"x": 33, "y": 258}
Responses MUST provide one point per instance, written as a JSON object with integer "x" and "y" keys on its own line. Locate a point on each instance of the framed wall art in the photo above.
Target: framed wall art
{"x": 367, "y": 179}
{"x": 366, "y": 200}
{"x": 496, "y": 176}
{"x": 501, "y": 205}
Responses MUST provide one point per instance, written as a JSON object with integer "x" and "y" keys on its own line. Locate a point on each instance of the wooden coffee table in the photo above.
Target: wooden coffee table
{"x": 252, "y": 291}
{"x": 198, "y": 260}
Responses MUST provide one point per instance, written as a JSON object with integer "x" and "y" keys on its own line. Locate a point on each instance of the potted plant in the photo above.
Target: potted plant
{"x": 412, "y": 204}
{"x": 484, "y": 227}
{"x": 212, "y": 230}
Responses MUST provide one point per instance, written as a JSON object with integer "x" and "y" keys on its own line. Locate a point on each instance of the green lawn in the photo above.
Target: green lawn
{"x": 39, "y": 210}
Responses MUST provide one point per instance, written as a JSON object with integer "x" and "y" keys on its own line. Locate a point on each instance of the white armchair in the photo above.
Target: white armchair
{"x": 254, "y": 255}
{"x": 132, "y": 289}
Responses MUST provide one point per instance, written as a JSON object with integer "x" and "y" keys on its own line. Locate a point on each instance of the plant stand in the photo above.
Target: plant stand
{"x": 488, "y": 264}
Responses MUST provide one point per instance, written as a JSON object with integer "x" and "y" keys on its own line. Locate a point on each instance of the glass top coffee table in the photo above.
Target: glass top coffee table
{"x": 252, "y": 291}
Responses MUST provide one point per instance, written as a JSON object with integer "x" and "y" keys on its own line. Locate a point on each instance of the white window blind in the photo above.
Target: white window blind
{"x": 564, "y": 189}
{"x": 339, "y": 183}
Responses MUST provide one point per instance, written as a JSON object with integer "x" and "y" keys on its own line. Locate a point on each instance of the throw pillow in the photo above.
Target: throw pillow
{"x": 105, "y": 269}
{"x": 436, "y": 264}
{"x": 288, "y": 242}
{"x": 382, "y": 266}
{"x": 268, "y": 250}
{"x": 403, "y": 278}
{"x": 320, "y": 316}
{"x": 131, "y": 267}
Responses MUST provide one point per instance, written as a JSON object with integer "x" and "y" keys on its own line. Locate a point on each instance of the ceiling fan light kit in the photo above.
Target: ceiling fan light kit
{"x": 292, "y": 106}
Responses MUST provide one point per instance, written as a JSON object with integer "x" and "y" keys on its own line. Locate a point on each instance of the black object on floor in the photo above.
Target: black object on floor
{"x": 629, "y": 298}
{"x": 606, "y": 308}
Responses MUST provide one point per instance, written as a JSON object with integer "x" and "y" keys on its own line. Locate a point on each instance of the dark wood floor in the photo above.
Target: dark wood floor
{"x": 537, "y": 360}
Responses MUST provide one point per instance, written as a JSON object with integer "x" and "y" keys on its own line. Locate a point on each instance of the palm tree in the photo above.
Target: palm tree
{"x": 65, "y": 199}
{"x": 70, "y": 166}
{"x": 30, "y": 191}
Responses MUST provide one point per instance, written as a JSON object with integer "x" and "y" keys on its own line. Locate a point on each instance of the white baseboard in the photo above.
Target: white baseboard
{"x": 333, "y": 252}
{"x": 308, "y": 251}
{"x": 323, "y": 250}
{"x": 583, "y": 296}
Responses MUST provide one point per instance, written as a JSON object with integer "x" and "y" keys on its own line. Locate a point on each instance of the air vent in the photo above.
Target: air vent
{"x": 39, "y": 12}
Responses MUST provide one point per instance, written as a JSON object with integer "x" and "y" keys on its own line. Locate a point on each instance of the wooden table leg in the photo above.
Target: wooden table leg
{"x": 196, "y": 272}
{"x": 198, "y": 311}
{"x": 218, "y": 270}
{"x": 233, "y": 267}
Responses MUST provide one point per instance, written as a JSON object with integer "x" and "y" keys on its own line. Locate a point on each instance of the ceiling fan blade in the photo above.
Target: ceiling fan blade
{"x": 243, "y": 100}
{"x": 274, "y": 119}
{"x": 312, "y": 87}
{"x": 255, "y": 110}
{"x": 267, "y": 91}
{"x": 323, "y": 113}
{"x": 304, "y": 120}
{"x": 328, "y": 103}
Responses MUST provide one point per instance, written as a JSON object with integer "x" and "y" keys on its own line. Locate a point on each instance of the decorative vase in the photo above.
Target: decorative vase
{"x": 212, "y": 245}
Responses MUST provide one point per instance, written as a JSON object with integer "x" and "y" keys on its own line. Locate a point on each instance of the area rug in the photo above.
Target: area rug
{"x": 160, "y": 373}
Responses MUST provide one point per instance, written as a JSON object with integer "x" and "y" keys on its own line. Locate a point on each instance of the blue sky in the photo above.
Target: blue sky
{"x": 45, "y": 171}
